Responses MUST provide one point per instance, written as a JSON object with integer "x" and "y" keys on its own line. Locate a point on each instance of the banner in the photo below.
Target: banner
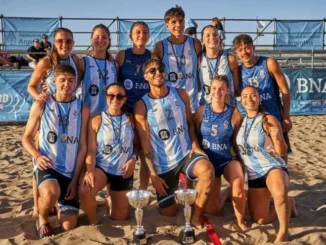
{"x": 15, "y": 102}
{"x": 157, "y": 32}
{"x": 19, "y": 33}
{"x": 299, "y": 35}
{"x": 308, "y": 91}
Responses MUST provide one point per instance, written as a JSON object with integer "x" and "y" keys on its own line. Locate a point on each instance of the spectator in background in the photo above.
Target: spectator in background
{"x": 219, "y": 27}
{"x": 191, "y": 28}
{"x": 45, "y": 44}
{"x": 5, "y": 58}
{"x": 35, "y": 53}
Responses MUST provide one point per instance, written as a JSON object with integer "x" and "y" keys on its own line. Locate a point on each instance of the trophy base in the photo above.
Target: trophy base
{"x": 140, "y": 239}
{"x": 187, "y": 237}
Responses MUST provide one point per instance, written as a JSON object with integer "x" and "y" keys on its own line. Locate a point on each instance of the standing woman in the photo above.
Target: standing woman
{"x": 215, "y": 123}
{"x": 96, "y": 72}
{"x": 61, "y": 53}
{"x": 261, "y": 145}
{"x": 111, "y": 157}
{"x": 214, "y": 61}
{"x": 131, "y": 63}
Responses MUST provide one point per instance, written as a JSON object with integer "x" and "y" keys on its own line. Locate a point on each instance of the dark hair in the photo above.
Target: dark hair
{"x": 261, "y": 109}
{"x": 116, "y": 84}
{"x": 202, "y": 34}
{"x": 152, "y": 61}
{"x": 242, "y": 39}
{"x": 177, "y": 11}
{"x": 106, "y": 29}
{"x": 136, "y": 24}
{"x": 64, "y": 68}
{"x": 54, "y": 56}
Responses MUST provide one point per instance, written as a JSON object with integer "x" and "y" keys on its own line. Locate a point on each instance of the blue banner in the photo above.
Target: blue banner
{"x": 157, "y": 32}
{"x": 308, "y": 91}
{"x": 299, "y": 35}
{"x": 19, "y": 33}
{"x": 15, "y": 102}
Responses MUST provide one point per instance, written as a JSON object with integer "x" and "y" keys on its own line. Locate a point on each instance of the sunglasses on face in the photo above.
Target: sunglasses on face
{"x": 119, "y": 97}
{"x": 67, "y": 41}
{"x": 153, "y": 70}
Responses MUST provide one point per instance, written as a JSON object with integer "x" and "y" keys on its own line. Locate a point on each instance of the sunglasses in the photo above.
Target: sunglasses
{"x": 119, "y": 97}
{"x": 67, "y": 41}
{"x": 153, "y": 70}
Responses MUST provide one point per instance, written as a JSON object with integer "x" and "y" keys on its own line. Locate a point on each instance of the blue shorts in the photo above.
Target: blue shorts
{"x": 65, "y": 206}
{"x": 117, "y": 182}
{"x": 171, "y": 178}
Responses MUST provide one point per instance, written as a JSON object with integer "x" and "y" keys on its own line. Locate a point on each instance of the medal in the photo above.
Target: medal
{"x": 183, "y": 59}
{"x": 173, "y": 77}
{"x": 180, "y": 60}
{"x": 63, "y": 137}
{"x": 180, "y": 75}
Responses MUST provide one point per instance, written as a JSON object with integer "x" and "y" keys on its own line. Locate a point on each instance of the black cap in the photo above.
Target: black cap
{"x": 44, "y": 36}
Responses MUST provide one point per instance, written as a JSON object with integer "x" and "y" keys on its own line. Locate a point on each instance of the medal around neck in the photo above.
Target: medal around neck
{"x": 186, "y": 197}
{"x": 139, "y": 199}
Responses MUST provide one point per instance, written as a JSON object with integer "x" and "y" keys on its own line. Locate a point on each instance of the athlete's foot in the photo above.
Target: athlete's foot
{"x": 294, "y": 211}
{"x": 196, "y": 223}
{"x": 243, "y": 226}
{"x": 281, "y": 237}
{"x": 35, "y": 212}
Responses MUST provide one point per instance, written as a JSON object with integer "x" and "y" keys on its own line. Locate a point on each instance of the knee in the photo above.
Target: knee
{"x": 206, "y": 173}
{"x": 69, "y": 225}
{"x": 85, "y": 192}
{"x": 238, "y": 189}
{"x": 260, "y": 220}
{"x": 120, "y": 214}
{"x": 49, "y": 198}
{"x": 280, "y": 194}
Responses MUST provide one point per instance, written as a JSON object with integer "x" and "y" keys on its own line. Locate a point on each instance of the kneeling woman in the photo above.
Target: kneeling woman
{"x": 215, "y": 122}
{"x": 261, "y": 145}
{"x": 110, "y": 157}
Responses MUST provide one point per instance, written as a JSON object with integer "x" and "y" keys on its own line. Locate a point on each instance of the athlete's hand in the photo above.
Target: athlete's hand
{"x": 159, "y": 185}
{"x": 128, "y": 168}
{"x": 72, "y": 190}
{"x": 89, "y": 180}
{"x": 43, "y": 162}
{"x": 43, "y": 96}
{"x": 287, "y": 124}
{"x": 196, "y": 149}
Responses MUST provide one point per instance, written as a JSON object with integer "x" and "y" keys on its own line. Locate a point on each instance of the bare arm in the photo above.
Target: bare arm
{"x": 273, "y": 128}
{"x": 277, "y": 73}
{"x": 38, "y": 75}
{"x": 199, "y": 116}
{"x": 81, "y": 71}
{"x": 236, "y": 123}
{"x": 233, "y": 63}
{"x": 158, "y": 50}
{"x": 92, "y": 128}
{"x": 143, "y": 131}
{"x": 198, "y": 47}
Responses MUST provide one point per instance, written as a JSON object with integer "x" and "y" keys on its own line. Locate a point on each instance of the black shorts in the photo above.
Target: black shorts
{"x": 171, "y": 178}
{"x": 261, "y": 182}
{"x": 287, "y": 141}
{"x": 220, "y": 169}
{"x": 117, "y": 182}
{"x": 191, "y": 31}
{"x": 65, "y": 206}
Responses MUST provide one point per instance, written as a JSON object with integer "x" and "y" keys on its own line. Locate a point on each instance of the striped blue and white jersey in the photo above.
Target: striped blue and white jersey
{"x": 181, "y": 59}
{"x": 99, "y": 73}
{"x": 132, "y": 76}
{"x": 256, "y": 148}
{"x": 259, "y": 77}
{"x": 114, "y": 143}
{"x": 50, "y": 76}
{"x": 169, "y": 136}
{"x": 216, "y": 131}
{"x": 208, "y": 69}
{"x": 60, "y": 133}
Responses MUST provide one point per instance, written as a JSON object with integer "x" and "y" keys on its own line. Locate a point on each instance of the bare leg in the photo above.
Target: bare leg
{"x": 143, "y": 173}
{"x": 204, "y": 171}
{"x": 120, "y": 206}
{"x": 234, "y": 175}
{"x": 35, "y": 198}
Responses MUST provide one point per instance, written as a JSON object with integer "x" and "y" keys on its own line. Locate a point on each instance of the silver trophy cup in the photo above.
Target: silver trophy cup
{"x": 139, "y": 199}
{"x": 186, "y": 197}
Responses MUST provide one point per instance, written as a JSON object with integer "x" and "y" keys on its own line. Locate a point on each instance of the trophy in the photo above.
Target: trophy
{"x": 139, "y": 199}
{"x": 186, "y": 197}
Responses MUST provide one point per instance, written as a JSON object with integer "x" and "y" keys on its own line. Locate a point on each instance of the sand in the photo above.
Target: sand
{"x": 308, "y": 173}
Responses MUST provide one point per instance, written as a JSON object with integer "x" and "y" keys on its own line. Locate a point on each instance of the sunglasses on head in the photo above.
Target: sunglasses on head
{"x": 153, "y": 70}
{"x": 67, "y": 41}
{"x": 117, "y": 96}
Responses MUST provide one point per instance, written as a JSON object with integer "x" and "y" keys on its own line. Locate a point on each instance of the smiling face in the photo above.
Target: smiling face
{"x": 115, "y": 97}
{"x": 250, "y": 99}
{"x": 210, "y": 38}
{"x": 154, "y": 73}
{"x": 139, "y": 35}
{"x": 245, "y": 52}
{"x": 176, "y": 26}
{"x": 100, "y": 39}
{"x": 63, "y": 43}
{"x": 218, "y": 90}
{"x": 65, "y": 84}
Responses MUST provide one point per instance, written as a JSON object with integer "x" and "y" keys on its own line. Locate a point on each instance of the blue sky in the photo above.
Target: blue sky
{"x": 203, "y": 9}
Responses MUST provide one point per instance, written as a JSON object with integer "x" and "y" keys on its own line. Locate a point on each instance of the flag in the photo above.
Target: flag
{"x": 260, "y": 24}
